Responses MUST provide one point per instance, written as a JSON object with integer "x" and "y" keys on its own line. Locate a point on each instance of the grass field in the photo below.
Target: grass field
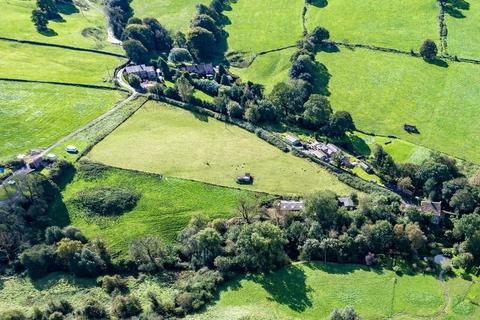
{"x": 264, "y": 25}
{"x": 384, "y": 91}
{"x": 165, "y": 207}
{"x": 463, "y": 33}
{"x": 23, "y": 294}
{"x": 36, "y": 115}
{"x": 31, "y": 62}
{"x": 396, "y": 24}
{"x": 16, "y": 23}
{"x": 167, "y": 140}
{"x": 312, "y": 291}
{"x": 173, "y": 14}
{"x": 267, "y": 69}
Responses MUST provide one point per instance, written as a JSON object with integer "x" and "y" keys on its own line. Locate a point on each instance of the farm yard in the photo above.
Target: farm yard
{"x": 37, "y": 115}
{"x": 173, "y": 142}
{"x": 165, "y": 207}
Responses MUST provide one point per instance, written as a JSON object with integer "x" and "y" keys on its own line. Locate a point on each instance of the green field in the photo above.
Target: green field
{"x": 267, "y": 69}
{"x": 384, "y": 91}
{"x": 463, "y": 32}
{"x": 22, "y": 294}
{"x": 32, "y": 62}
{"x": 167, "y": 140}
{"x": 264, "y": 25}
{"x": 16, "y": 23}
{"x": 312, "y": 291}
{"x": 165, "y": 207}
{"x": 173, "y": 14}
{"x": 37, "y": 115}
{"x": 396, "y": 24}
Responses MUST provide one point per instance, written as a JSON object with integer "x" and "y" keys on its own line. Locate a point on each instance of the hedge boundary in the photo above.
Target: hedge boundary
{"x": 68, "y": 84}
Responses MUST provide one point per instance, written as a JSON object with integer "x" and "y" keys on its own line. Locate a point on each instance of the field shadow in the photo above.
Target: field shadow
{"x": 201, "y": 117}
{"x": 453, "y": 7}
{"x": 319, "y": 3}
{"x": 288, "y": 287}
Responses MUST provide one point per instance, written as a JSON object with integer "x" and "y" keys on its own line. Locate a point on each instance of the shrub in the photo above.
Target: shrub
{"x": 429, "y": 50}
{"x": 56, "y": 316}
{"x": 13, "y": 315}
{"x": 38, "y": 260}
{"x": 126, "y": 307}
{"x": 90, "y": 170}
{"x": 60, "y": 169}
{"x": 106, "y": 201}
{"x": 94, "y": 310}
{"x": 53, "y": 235}
{"x": 272, "y": 139}
{"x": 133, "y": 80}
{"x": 62, "y": 306}
{"x": 113, "y": 283}
{"x": 234, "y": 110}
{"x": 208, "y": 86}
{"x": 178, "y": 55}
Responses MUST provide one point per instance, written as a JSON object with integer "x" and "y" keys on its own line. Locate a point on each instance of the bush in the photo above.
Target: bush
{"x": 113, "y": 283}
{"x": 94, "y": 310}
{"x": 234, "y": 110}
{"x": 272, "y": 139}
{"x": 60, "y": 169}
{"x": 133, "y": 80}
{"x": 126, "y": 307}
{"x": 208, "y": 86}
{"x": 178, "y": 55}
{"x": 106, "y": 201}
{"x": 90, "y": 170}
{"x": 63, "y": 307}
{"x": 13, "y": 315}
{"x": 39, "y": 260}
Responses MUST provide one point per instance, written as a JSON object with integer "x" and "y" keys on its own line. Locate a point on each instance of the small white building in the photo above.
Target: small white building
{"x": 294, "y": 141}
{"x": 285, "y": 206}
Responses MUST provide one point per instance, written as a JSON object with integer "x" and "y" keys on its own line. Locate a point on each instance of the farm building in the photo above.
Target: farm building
{"x": 285, "y": 206}
{"x": 320, "y": 155}
{"x": 204, "y": 70}
{"x": 365, "y": 167}
{"x": 245, "y": 179}
{"x": 142, "y": 71}
{"x": 435, "y": 208}
{"x": 346, "y": 202}
{"x": 410, "y": 128}
{"x": 294, "y": 141}
{"x": 328, "y": 148}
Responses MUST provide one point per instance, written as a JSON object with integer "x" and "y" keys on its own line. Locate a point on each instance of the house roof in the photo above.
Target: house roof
{"x": 285, "y": 205}
{"x": 364, "y": 165}
{"x": 431, "y": 206}
{"x": 346, "y": 202}
{"x": 319, "y": 154}
{"x": 139, "y": 68}
{"x": 202, "y": 69}
{"x": 292, "y": 139}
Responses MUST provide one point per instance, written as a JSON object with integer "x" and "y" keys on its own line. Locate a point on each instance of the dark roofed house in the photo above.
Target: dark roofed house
{"x": 347, "y": 202}
{"x": 294, "y": 141}
{"x": 245, "y": 179}
{"x": 205, "y": 70}
{"x": 410, "y": 128}
{"x": 142, "y": 71}
{"x": 435, "y": 208}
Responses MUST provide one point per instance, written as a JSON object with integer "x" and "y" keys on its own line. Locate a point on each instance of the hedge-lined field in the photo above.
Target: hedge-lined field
{"x": 463, "y": 33}
{"x": 82, "y": 27}
{"x": 165, "y": 207}
{"x": 264, "y": 25}
{"x": 312, "y": 291}
{"x": 173, "y": 14}
{"x": 171, "y": 141}
{"x": 384, "y": 91}
{"x": 395, "y": 24}
{"x": 37, "y": 115}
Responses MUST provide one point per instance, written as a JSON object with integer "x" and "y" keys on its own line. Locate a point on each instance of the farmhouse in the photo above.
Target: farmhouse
{"x": 204, "y": 70}
{"x": 346, "y": 202}
{"x": 435, "y": 208}
{"x": 142, "y": 71}
{"x": 245, "y": 179}
{"x": 285, "y": 206}
{"x": 320, "y": 155}
{"x": 328, "y": 148}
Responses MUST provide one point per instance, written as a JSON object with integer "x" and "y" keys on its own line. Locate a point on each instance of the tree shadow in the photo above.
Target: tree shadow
{"x": 360, "y": 146}
{"x": 58, "y": 212}
{"x": 54, "y": 278}
{"x": 48, "y": 32}
{"x": 288, "y": 287}
{"x": 322, "y": 79}
{"x": 438, "y": 62}
{"x": 340, "y": 268}
{"x": 319, "y": 3}
{"x": 201, "y": 117}
{"x": 67, "y": 8}
{"x": 453, "y": 7}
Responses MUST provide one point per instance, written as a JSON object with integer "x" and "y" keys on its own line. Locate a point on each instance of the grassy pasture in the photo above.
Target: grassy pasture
{"x": 264, "y": 25}
{"x": 174, "y": 142}
{"x": 267, "y": 69}
{"x": 312, "y": 291}
{"x": 384, "y": 91}
{"x": 31, "y": 62}
{"x": 173, "y": 14}
{"x": 463, "y": 18}
{"x": 396, "y": 24}
{"x": 37, "y": 115}
{"x": 165, "y": 207}
{"x": 73, "y": 30}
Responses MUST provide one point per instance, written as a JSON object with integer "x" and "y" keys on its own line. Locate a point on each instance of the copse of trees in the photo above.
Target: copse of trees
{"x": 429, "y": 50}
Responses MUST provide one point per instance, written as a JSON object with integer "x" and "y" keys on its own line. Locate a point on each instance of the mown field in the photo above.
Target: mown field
{"x": 173, "y": 14}
{"x": 312, "y": 291}
{"x": 32, "y": 62}
{"x": 174, "y": 142}
{"x": 165, "y": 207}
{"x": 257, "y": 26}
{"x": 463, "y": 18}
{"x": 23, "y": 294}
{"x": 81, "y": 26}
{"x": 37, "y": 115}
{"x": 384, "y": 91}
{"x": 395, "y": 24}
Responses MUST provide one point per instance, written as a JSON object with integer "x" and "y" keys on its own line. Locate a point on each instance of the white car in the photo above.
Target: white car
{"x": 71, "y": 149}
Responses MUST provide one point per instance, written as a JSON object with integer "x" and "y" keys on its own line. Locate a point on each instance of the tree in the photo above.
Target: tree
{"x": 234, "y": 110}
{"x": 39, "y": 19}
{"x": 49, "y": 8}
{"x": 384, "y": 163}
{"x": 379, "y": 235}
{"x": 259, "y": 247}
{"x": 318, "y": 35}
{"x": 416, "y": 236}
{"x": 207, "y": 245}
{"x": 94, "y": 310}
{"x": 348, "y": 313}
{"x": 463, "y": 201}
{"x": 206, "y": 22}
{"x": 340, "y": 122}
{"x": 133, "y": 80}
{"x": 289, "y": 97}
{"x": 38, "y": 260}
{"x": 247, "y": 209}
{"x": 150, "y": 254}
{"x": 163, "y": 40}
{"x": 184, "y": 88}
{"x": 201, "y": 43}
{"x": 322, "y": 207}
{"x": 126, "y": 307}
{"x": 317, "y": 111}
{"x": 428, "y": 50}
{"x": 141, "y": 33}
{"x": 136, "y": 51}
{"x": 179, "y": 55}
